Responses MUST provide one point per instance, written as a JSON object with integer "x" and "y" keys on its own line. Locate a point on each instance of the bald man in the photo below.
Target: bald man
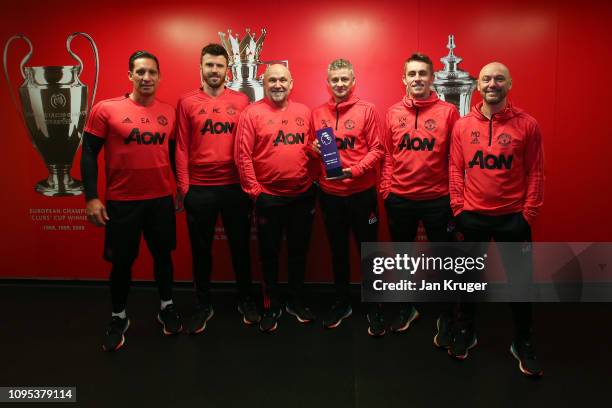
{"x": 498, "y": 148}
{"x": 274, "y": 159}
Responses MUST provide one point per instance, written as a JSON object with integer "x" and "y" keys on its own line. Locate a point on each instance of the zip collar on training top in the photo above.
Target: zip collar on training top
{"x": 342, "y": 106}
{"x": 412, "y": 103}
{"x": 507, "y": 113}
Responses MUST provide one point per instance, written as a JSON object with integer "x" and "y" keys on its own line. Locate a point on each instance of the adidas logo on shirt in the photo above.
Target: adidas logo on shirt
{"x": 127, "y": 120}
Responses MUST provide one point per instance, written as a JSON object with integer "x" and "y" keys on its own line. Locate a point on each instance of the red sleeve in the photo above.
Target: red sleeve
{"x": 534, "y": 166}
{"x": 183, "y": 141}
{"x": 453, "y": 117}
{"x": 387, "y": 165}
{"x": 97, "y": 121}
{"x": 456, "y": 172}
{"x": 174, "y": 128}
{"x": 243, "y": 154}
{"x": 375, "y": 149}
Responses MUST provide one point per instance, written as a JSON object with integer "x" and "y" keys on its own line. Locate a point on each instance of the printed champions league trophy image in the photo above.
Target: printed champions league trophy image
{"x": 54, "y": 108}
{"x": 452, "y": 84}
{"x": 244, "y": 62}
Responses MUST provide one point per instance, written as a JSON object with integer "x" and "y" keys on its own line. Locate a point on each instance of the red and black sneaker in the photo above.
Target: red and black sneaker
{"x": 339, "y": 311}
{"x": 463, "y": 340}
{"x": 376, "y": 323}
{"x": 407, "y": 314}
{"x": 301, "y": 312}
{"x": 197, "y": 322}
{"x": 114, "y": 338}
{"x": 170, "y": 320}
{"x": 248, "y": 310}
{"x": 444, "y": 335}
{"x": 269, "y": 320}
{"x": 524, "y": 352}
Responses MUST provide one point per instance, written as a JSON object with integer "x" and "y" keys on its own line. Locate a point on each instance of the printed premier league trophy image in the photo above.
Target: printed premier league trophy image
{"x": 452, "y": 84}
{"x": 54, "y": 108}
{"x": 329, "y": 153}
{"x": 244, "y": 63}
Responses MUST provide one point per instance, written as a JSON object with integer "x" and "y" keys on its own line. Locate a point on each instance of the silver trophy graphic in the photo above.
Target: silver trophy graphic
{"x": 244, "y": 62}
{"x": 452, "y": 84}
{"x": 54, "y": 106}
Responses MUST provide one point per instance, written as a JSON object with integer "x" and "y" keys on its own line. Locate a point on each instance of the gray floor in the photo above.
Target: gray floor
{"x": 51, "y": 336}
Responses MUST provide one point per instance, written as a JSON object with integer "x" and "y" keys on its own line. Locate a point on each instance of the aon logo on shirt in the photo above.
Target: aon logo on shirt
{"x": 289, "y": 138}
{"x": 346, "y": 143}
{"x": 217, "y": 128}
{"x": 417, "y": 143}
{"x": 491, "y": 161}
{"x": 145, "y": 138}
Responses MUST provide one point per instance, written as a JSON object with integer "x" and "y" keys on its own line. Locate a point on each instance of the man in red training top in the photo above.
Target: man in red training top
{"x": 350, "y": 202}
{"x": 135, "y": 131}
{"x": 497, "y": 189}
{"x": 273, "y": 155}
{"x": 414, "y": 182}
{"x": 208, "y": 180}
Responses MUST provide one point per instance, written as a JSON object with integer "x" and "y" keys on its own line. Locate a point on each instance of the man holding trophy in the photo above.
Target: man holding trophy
{"x": 273, "y": 155}
{"x": 135, "y": 131}
{"x": 414, "y": 182}
{"x": 348, "y": 200}
{"x": 208, "y": 180}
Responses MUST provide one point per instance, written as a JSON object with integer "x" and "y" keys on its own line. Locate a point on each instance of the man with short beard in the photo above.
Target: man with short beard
{"x": 349, "y": 203}
{"x": 273, "y": 154}
{"x": 497, "y": 147}
{"x": 208, "y": 180}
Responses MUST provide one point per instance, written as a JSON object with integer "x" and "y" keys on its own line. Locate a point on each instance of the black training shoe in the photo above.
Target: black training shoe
{"x": 402, "y": 321}
{"x": 114, "y": 337}
{"x": 301, "y": 312}
{"x": 338, "y": 312}
{"x": 197, "y": 322}
{"x": 249, "y": 311}
{"x": 444, "y": 336}
{"x": 524, "y": 352}
{"x": 269, "y": 320}
{"x": 170, "y": 320}
{"x": 376, "y": 324}
{"x": 463, "y": 340}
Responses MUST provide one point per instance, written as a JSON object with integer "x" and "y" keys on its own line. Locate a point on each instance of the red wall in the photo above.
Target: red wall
{"x": 558, "y": 53}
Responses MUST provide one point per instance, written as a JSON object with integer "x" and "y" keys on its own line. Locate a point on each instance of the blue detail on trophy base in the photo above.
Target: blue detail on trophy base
{"x": 335, "y": 172}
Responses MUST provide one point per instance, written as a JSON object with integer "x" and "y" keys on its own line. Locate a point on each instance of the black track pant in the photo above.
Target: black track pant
{"x": 404, "y": 216}
{"x": 129, "y": 220}
{"x": 517, "y": 263}
{"x": 292, "y": 216}
{"x": 356, "y": 213}
{"x": 203, "y": 205}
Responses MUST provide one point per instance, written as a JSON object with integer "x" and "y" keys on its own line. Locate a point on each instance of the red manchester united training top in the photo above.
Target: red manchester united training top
{"x": 417, "y": 143}
{"x": 206, "y": 128}
{"x": 357, "y": 129}
{"x": 497, "y": 164}
{"x": 135, "y": 147}
{"x": 273, "y": 149}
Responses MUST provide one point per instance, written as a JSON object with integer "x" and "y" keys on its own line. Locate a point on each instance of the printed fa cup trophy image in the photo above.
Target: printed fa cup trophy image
{"x": 244, "y": 62}
{"x": 452, "y": 84}
{"x": 54, "y": 108}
